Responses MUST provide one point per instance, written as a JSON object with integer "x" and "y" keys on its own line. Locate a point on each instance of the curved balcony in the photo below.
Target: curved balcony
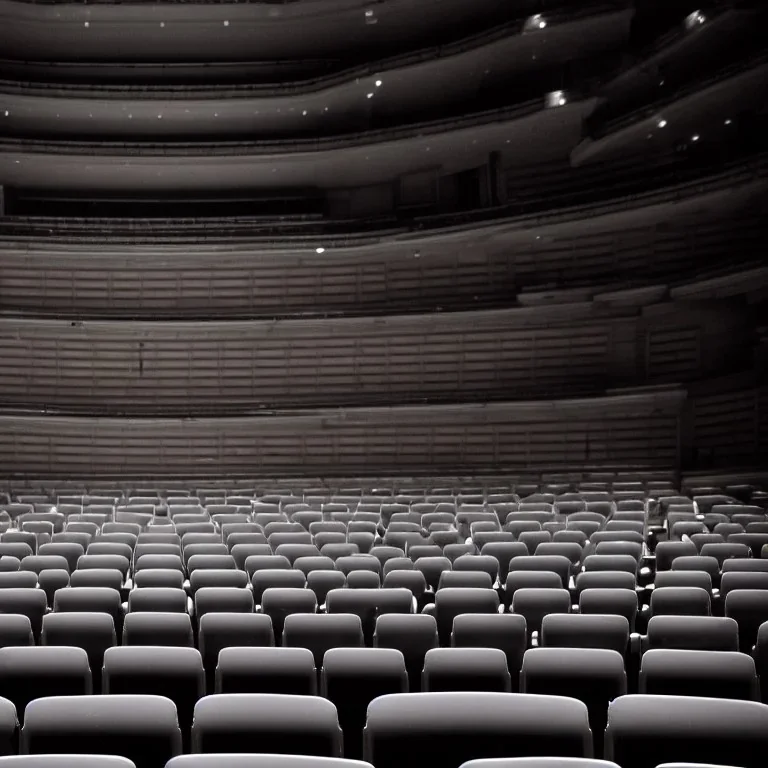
{"x": 219, "y": 368}
{"x": 188, "y": 269}
{"x": 211, "y": 32}
{"x": 400, "y": 89}
{"x": 353, "y": 160}
{"x": 629, "y": 432}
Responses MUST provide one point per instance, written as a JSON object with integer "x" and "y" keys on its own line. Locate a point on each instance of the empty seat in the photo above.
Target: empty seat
{"x": 167, "y": 629}
{"x": 645, "y": 731}
{"x": 466, "y": 669}
{"x": 621, "y": 602}
{"x": 718, "y": 674}
{"x": 556, "y": 563}
{"x": 173, "y": 672}
{"x": 451, "y": 602}
{"x": 280, "y": 602}
{"x": 594, "y": 676}
{"x": 352, "y": 678}
{"x": 684, "y": 578}
{"x": 454, "y": 727}
{"x": 26, "y": 601}
{"x": 93, "y": 632}
{"x": 159, "y": 599}
{"x": 695, "y": 633}
{"x": 15, "y": 629}
{"x": 465, "y": 579}
{"x": 503, "y": 631}
{"x": 279, "y": 724}
{"x": 266, "y": 670}
{"x": 535, "y": 603}
{"x": 143, "y": 729}
{"x": 28, "y": 673}
{"x": 277, "y": 577}
{"x": 322, "y": 631}
{"x": 577, "y": 630}
{"x": 323, "y": 582}
{"x": 97, "y": 577}
{"x": 749, "y": 608}
{"x": 66, "y": 761}
{"x": 410, "y": 634}
{"x": 156, "y": 577}
{"x": 223, "y": 630}
{"x": 368, "y": 604}
{"x": 222, "y": 600}
{"x": 680, "y": 601}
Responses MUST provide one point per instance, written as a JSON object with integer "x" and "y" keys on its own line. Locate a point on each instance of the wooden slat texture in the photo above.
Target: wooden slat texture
{"x": 231, "y": 367}
{"x": 631, "y": 431}
{"x": 657, "y": 244}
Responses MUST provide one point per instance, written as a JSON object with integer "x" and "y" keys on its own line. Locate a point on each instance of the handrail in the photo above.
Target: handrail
{"x": 648, "y": 110}
{"x": 309, "y": 85}
{"x": 239, "y": 148}
{"x": 520, "y": 215}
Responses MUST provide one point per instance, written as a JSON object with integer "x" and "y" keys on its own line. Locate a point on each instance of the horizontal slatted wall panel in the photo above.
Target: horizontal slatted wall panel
{"x": 127, "y": 367}
{"x": 729, "y": 424}
{"x": 657, "y": 244}
{"x": 625, "y": 432}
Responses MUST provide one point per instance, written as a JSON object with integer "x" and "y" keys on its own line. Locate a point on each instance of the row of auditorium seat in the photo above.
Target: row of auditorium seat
{"x": 260, "y": 760}
{"x": 401, "y": 730}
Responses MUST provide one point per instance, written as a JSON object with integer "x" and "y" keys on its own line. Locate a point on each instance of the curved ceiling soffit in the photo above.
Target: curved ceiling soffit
{"x": 210, "y": 32}
{"x": 390, "y": 89}
{"x": 447, "y": 149}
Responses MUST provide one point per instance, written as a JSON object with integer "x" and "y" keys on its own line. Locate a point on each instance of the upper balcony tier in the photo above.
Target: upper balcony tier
{"x": 218, "y": 32}
{"x": 224, "y": 268}
{"x": 500, "y": 64}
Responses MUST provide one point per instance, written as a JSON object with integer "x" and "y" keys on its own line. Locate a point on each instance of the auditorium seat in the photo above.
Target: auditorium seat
{"x": 695, "y": 633}
{"x": 266, "y": 670}
{"x": 28, "y": 673}
{"x": 455, "y": 727}
{"x": 65, "y": 761}
{"x": 577, "y": 630}
{"x": 594, "y": 676}
{"x": 621, "y": 602}
{"x": 466, "y": 669}
{"x": 645, "y": 731}
{"x": 503, "y": 631}
{"x": 715, "y": 674}
{"x": 254, "y": 761}
{"x": 352, "y": 678}
{"x": 143, "y": 729}
{"x": 93, "y": 632}
{"x": 369, "y": 604}
{"x": 28, "y": 602}
{"x": 680, "y": 601}
{"x": 176, "y": 673}
{"x": 279, "y": 724}
{"x": 749, "y": 608}
{"x": 413, "y": 635}
{"x": 167, "y": 629}
{"x": 536, "y": 603}
{"x": 322, "y": 631}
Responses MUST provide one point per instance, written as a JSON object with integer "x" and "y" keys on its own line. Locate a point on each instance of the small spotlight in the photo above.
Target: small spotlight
{"x": 662, "y": 123}
{"x": 695, "y": 137}
{"x": 369, "y": 96}
{"x": 561, "y": 102}
{"x": 304, "y": 112}
{"x": 319, "y": 250}
{"x": 7, "y": 113}
{"x": 87, "y": 24}
{"x": 727, "y": 122}
{"x": 226, "y": 23}
{"x": 378, "y": 83}
{"x": 542, "y": 24}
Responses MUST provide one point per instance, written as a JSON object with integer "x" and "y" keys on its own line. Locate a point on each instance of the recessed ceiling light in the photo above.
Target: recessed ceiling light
{"x": 319, "y": 250}
{"x": 378, "y": 83}
{"x": 369, "y": 96}
{"x": 662, "y": 123}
